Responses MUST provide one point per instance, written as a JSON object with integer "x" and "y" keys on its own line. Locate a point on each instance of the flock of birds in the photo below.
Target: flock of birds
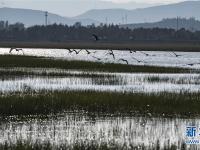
{"x": 111, "y": 53}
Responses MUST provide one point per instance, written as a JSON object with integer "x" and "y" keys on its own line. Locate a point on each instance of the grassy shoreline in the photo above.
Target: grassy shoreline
{"x": 12, "y": 61}
{"x": 155, "y": 104}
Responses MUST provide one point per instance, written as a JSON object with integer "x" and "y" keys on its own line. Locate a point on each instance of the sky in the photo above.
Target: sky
{"x": 70, "y": 8}
{"x": 144, "y": 1}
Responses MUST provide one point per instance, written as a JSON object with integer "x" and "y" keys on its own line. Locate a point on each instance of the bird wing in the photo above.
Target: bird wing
{"x": 11, "y": 49}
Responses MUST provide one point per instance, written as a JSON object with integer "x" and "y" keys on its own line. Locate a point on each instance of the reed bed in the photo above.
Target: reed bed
{"x": 13, "y": 61}
{"x": 102, "y": 103}
{"x": 92, "y": 145}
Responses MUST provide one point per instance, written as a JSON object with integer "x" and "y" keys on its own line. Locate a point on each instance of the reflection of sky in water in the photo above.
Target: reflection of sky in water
{"x": 70, "y": 128}
{"x": 115, "y": 82}
{"x": 155, "y": 58}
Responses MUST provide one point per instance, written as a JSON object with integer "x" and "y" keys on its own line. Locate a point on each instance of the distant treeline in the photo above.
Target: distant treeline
{"x": 77, "y": 32}
{"x": 190, "y": 24}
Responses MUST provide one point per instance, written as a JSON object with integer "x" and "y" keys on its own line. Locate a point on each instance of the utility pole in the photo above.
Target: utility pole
{"x": 126, "y": 18}
{"x": 177, "y": 23}
{"x": 46, "y": 18}
{"x": 122, "y": 20}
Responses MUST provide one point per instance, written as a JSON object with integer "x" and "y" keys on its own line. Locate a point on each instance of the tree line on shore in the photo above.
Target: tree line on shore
{"x": 77, "y": 32}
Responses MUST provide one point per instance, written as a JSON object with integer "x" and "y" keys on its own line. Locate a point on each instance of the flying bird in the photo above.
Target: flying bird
{"x": 16, "y": 49}
{"x": 88, "y": 52}
{"x": 139, "y": 61}
{"x": 176, "y": 55}
{"x": 146, "y": 54}
{"x": 70, "y": 51}
{"x": 76, "y": 51}
{"x": 95, "y": 37}
{"x": 96, "y": 58}
{"x": 111, "y": 53}
{"x": 132, "y": 51}
{"x": 124, "y": 60}
{"x": 192, "y": 64}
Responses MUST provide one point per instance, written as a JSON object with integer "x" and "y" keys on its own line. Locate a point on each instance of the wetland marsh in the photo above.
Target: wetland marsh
{"x": 52, "y": 99}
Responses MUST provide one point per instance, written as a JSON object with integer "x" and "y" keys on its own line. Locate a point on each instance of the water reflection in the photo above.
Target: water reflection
{"x": 154, "y": 58}
{"x": 70, "y": 128}
{"x": 99, "y": 81}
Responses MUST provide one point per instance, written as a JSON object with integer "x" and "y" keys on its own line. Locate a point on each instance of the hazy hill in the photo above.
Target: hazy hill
{"x": 173, "y": 23}
{"x": 69, "y": 8}
{"x": 32, "y": 17}
{"x": 152, "y": 14}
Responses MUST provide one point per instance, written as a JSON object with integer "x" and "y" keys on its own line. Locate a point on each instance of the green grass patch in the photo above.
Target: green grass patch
{"x": 157, "y": 104}
{"x": 40, "y": 62}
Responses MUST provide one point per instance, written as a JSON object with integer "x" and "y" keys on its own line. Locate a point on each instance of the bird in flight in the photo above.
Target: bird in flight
{"x": 146, "y": 54}
{"x": 16, "y": 49}
{"x": 95, "y": 37}
{"x": 124, "y": 60}
{"x": 70, "y": 51}
{"x": 111, "y": 53}
{"x": 192, "y": 64}
{"x": 96, "y": 58}
{"x": 176, "y": 55}
{"x": 76, "y": 51}
{"x": 139, "y": 61}
{"x": 132, "y": 51}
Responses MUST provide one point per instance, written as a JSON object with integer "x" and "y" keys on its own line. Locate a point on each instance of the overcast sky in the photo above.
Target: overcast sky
{"x": 75, "y": 7}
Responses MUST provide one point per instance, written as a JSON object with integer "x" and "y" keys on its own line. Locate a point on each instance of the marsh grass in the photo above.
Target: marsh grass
{"x": 40, "y": 62}
{"x": 12, "y": 74}
{"x": 92, "y": 145}
{"x": 100, "y": 103}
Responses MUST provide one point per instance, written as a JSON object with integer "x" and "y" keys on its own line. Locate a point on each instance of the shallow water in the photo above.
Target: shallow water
{"x": 98, "y": 81}
{"x": 154, "y": 58}
{"x": 70, "y": 128}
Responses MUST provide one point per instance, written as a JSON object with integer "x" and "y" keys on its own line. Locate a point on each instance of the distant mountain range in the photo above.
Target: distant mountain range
{"x": 35, "y": 17}
{"x": 152, "y": 14}
{"x": 30, "y": 17}
{"x": 173, "y": 23}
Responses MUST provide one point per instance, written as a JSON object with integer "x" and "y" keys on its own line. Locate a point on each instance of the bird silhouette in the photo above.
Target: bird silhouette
{"x": 16, "y": 49}
{"x": 76, "y": 51}
{"x": 139, "y": 61}
{"x": 88, "y": 52}
{"x": 96, "y": 58}
{"x": 95, "y": 37}
{"x": 192, "y": 64}
{"x": 70, "y": 51}
{"x": 124, "y": 60}
{"x": 132, "y": 51}
{"x": 176, "y": 55}
{"x": 110, "y": 52}
{"x": 146, "y": 54}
